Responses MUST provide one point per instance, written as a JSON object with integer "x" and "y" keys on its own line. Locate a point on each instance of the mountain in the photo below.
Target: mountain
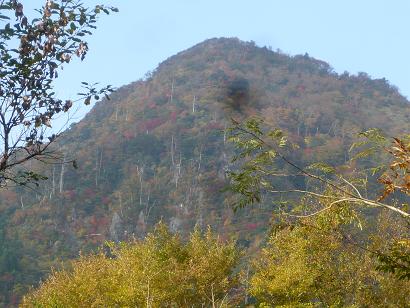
{"x": 157, "y": 151}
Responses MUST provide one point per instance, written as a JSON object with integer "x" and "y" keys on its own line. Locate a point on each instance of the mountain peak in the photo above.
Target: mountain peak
{"x": 157, "y": 150}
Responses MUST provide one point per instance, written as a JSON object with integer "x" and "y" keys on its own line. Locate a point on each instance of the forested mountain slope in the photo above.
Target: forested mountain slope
{"x": 157, "y": 151}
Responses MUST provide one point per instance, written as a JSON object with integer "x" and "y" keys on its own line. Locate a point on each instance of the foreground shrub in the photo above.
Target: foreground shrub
{"x": 160, "y": 270}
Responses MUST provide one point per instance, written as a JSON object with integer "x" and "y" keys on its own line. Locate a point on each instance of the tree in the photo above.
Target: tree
{"x": 160, "y": 270}
{"x": 316, "y": 262}
{"x": 263, "y": 157}
{"x": 262, "y": 152}
{"x": 31, "y": 54}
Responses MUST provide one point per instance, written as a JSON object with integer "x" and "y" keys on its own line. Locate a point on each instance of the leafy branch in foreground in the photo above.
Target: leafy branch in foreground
{"x": 31, "y": 54}
{"x": 394, "y": 176}
{"x": 263, "y": 158}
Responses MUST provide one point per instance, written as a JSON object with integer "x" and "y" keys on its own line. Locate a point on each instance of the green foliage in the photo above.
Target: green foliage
{"x": 258, "y": 162}
{"x": 396, "y": 260}
{"x": 260, "y": 153}
{"x": 317, "y": 263}
{"x": 158, "y": 271}
{"x": 330, "y": 191}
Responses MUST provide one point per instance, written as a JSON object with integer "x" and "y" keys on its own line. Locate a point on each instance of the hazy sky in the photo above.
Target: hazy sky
{"x": 372, "y": 36}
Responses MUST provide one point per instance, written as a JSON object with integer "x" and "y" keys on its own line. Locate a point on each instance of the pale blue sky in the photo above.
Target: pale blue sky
{"x": 353, "y": 35}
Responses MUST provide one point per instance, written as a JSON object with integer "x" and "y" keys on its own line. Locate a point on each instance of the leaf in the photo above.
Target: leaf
{"x": 375, "y": 170}
{"x": 321, "y": 167}
{"x": 358, "y": 144}
{"x": 365, "y": 153}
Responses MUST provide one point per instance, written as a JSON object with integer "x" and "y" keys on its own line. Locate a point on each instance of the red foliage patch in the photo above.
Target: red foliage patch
{"x": 173, "y": 116}
{"x": 9, "y": 196}
{"x": 7, "y": 277}
{"x": 19, "y": 217}
{"x": 105, "y": 200}
{"x": 152, "y": 105}
{"x": 70, "y": 194}
{"x": 89, "y": 193}
{"x": 214, "y": 125}
{"x": 308, "y": 151}
{"x": 128, "y": 134}
{"x": 251, "y": 226}
{"x": 152, "y": 123}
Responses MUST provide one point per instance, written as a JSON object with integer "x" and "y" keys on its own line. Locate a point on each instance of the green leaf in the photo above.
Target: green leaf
{"x": 321, "y": 167}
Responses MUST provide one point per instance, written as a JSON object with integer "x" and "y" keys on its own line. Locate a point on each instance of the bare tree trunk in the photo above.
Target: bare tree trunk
{"x": 120, "y": 200}
{"x": 193, "y": 104}
{"x": 148, "y": 296}
{"x": 148, "y": 197}
{"x": 172, "y": 90}
{"x": 140, "y": 174}
{"x": 180, "y": 164}
{"x": 98, "y": 164}
{"x": 53, "y": 188}
{"x": 177, "y": 171}
{"x": 200, "y": 159}
{"x": 149, "y": 210}
{"x": 247, "y": 285}
{"x": 172, "y": 150}
{"x": 225, "y": 134}
{"x": 213, "y": 296}
{"x": 331, "y": 127}
{"x": 96, "y": 168}
{"x": 62, "y": 175}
